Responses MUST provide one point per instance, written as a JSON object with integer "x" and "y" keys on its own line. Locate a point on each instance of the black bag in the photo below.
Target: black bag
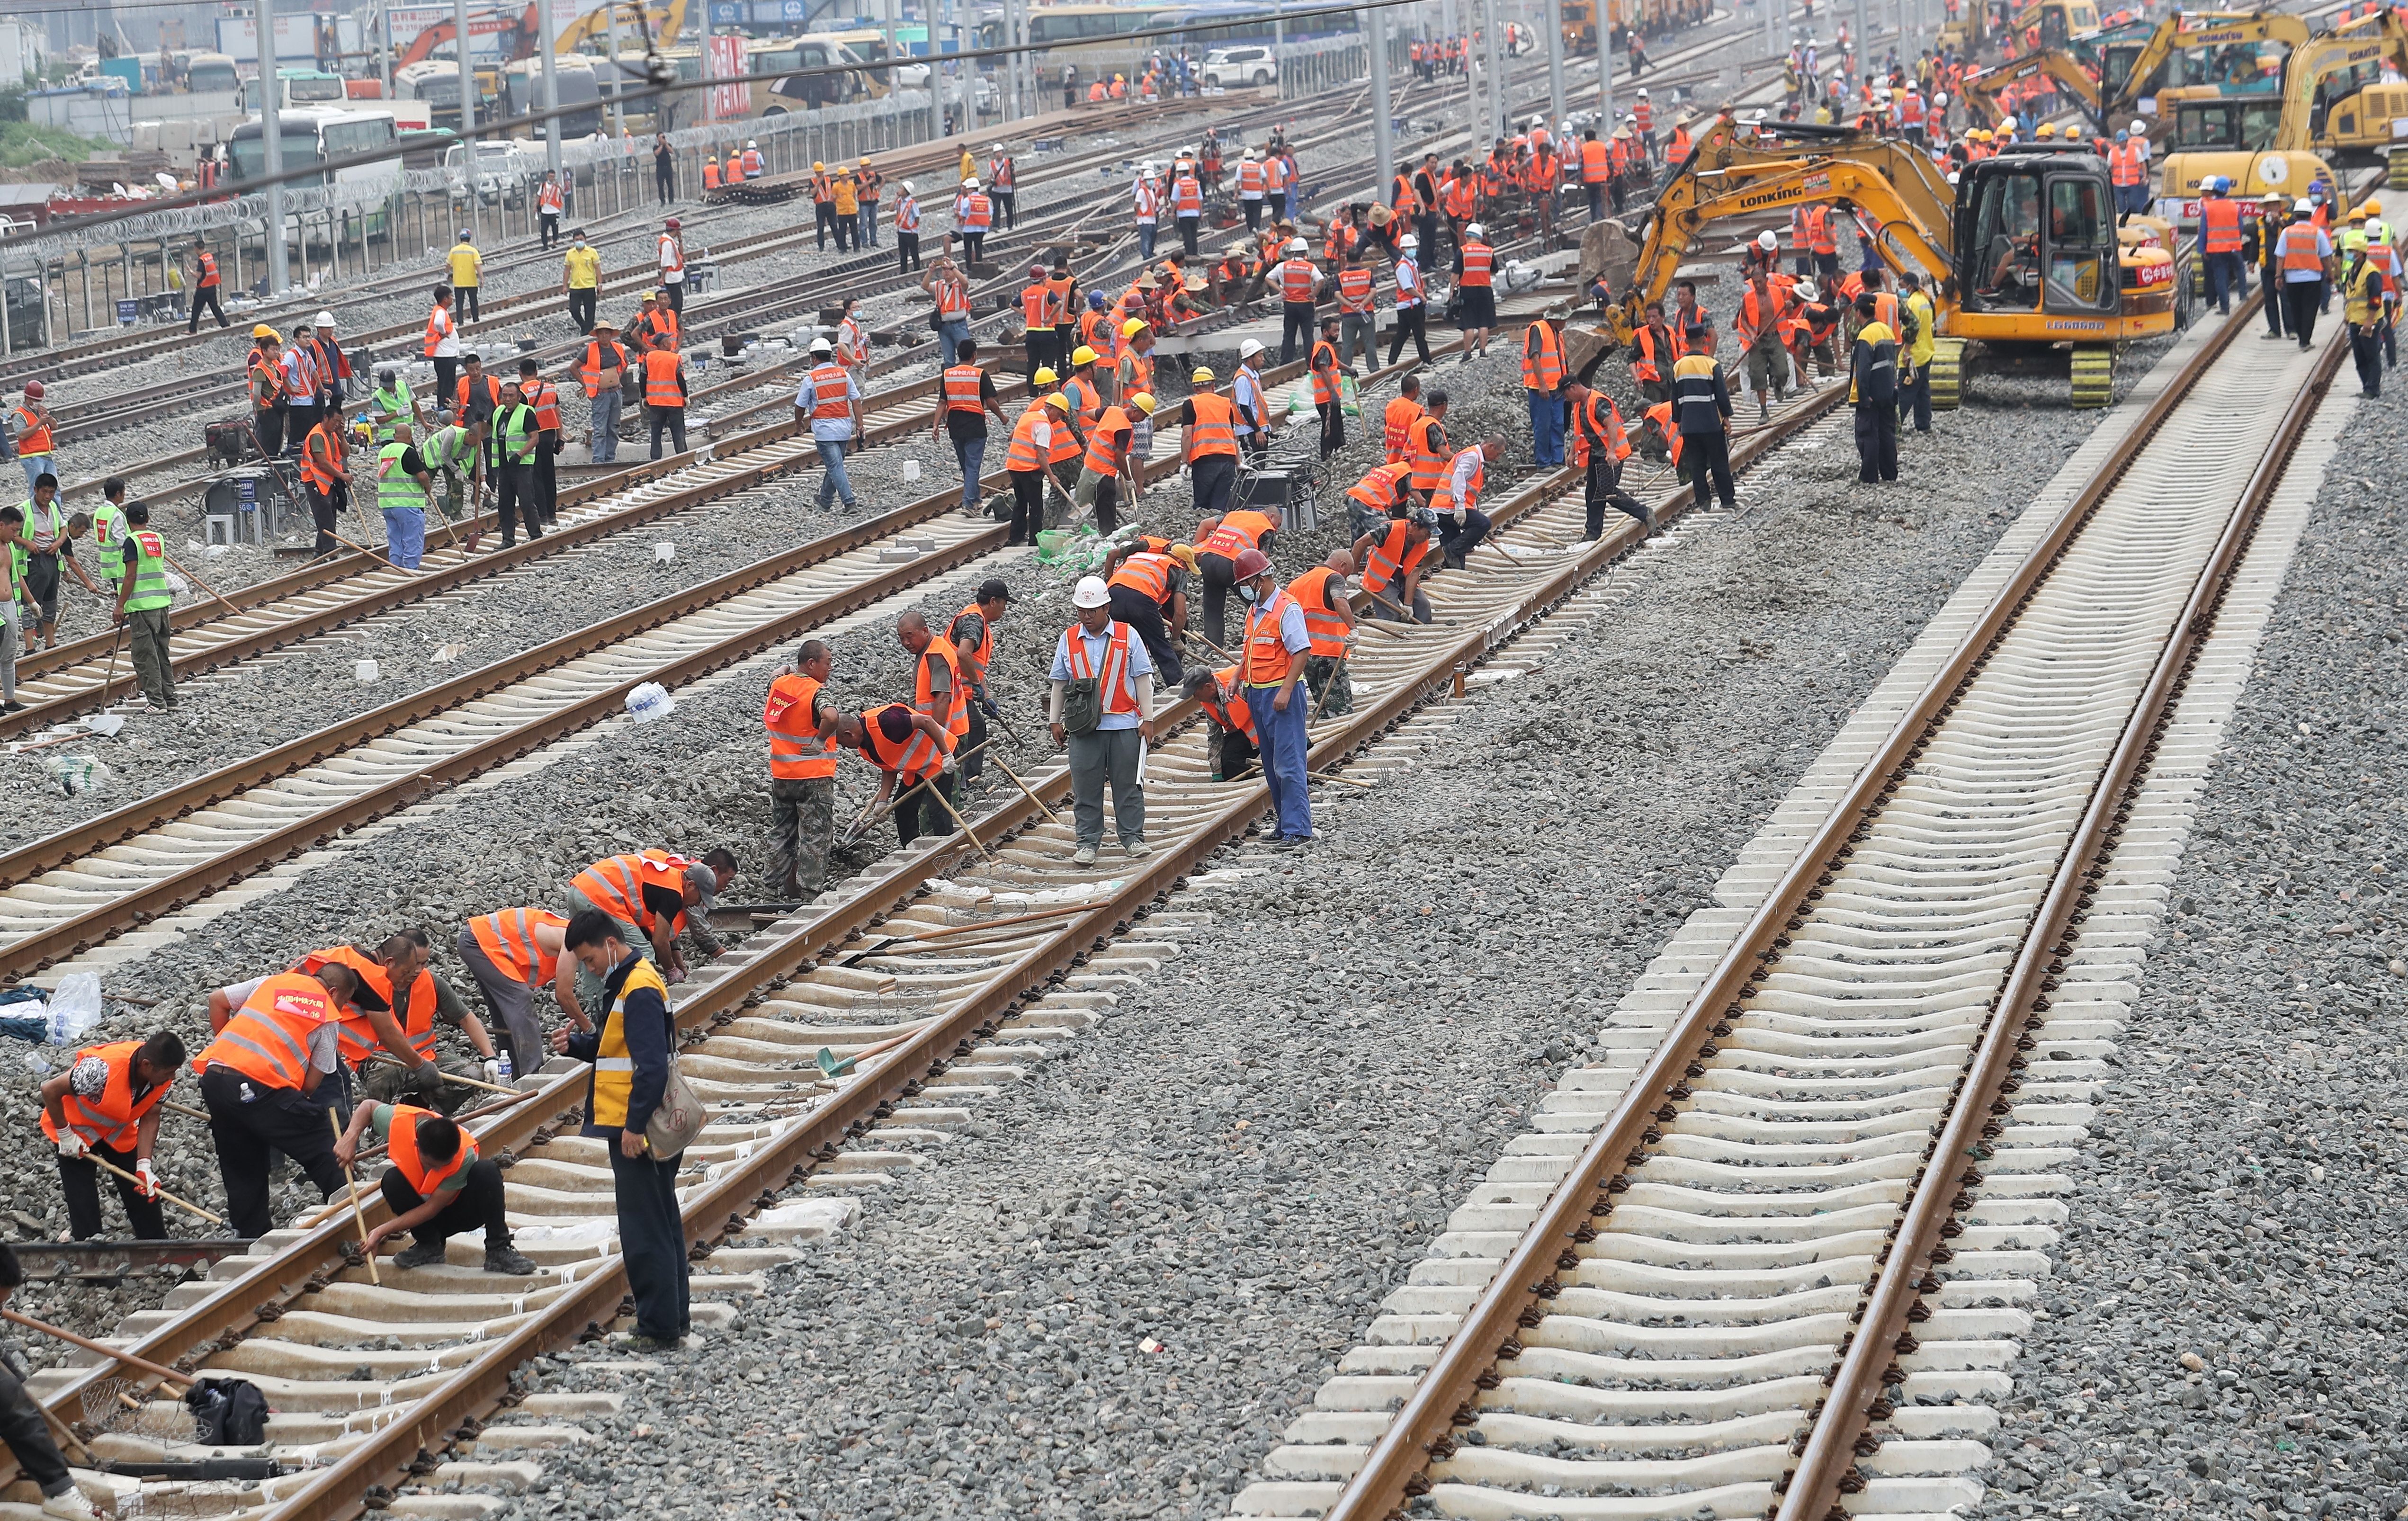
{"x": 227, "y": 1412}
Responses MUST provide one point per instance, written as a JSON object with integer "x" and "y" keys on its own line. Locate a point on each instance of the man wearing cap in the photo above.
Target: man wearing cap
{"x": 651, "y": 896}
{"x": 467, "y": 273}
{"x": 802, "y": 724}
{"x": 830, "y": 402}
{"x": 580, "y": 277}
{"x": 2306, "y": 255}
{"x": 1101, "y": 709}
{"x": 1271, "y": 657}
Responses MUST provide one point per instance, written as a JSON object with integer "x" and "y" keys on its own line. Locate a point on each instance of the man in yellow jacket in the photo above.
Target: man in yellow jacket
{"x": 1914, "y": 360}
{"x": 467, "y": 273}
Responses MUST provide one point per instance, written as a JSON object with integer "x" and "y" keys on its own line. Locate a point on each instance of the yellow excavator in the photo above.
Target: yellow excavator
{"x": 2333, "y": 102}
{"x": 2024, "y": 256}
{"x": 2110, "y": 71}
{"x": 1982, "y": 90}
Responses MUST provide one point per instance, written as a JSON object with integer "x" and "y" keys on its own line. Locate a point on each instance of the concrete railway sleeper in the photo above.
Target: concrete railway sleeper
{"x": 290, "y": 1316}
{"x": 1756, "y": 1261}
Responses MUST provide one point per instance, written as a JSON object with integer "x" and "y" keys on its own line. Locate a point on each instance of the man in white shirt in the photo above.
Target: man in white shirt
{"x": 672, "y": 252}
{"x": 830, "y": 401}
{"x": 1412, "y": 310}
{"x": 1106, "y": 720}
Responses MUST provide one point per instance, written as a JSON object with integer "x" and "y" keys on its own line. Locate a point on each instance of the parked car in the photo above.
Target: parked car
{"x": 505, "y": 171}
{"x": 1233, "y": 69}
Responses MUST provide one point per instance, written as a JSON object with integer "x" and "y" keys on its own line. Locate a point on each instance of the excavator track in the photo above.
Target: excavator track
{"x": 1947, "y": 374}
{"x": 2094, "y": 374}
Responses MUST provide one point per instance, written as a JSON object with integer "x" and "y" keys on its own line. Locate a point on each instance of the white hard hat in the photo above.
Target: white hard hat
{"x": 971, "y": 183}
{"x": 1767, "y": 240}
{"x": 1409, "y": 241}
{"x": 2305, "y": 206}
{"x": 821, "y": 346}
{"x": 1248, "y": 349}
{"x": 1475, "y": 230}
{"x": 1090, "y": 592}
{"x": 1297, "y": 245}
{"x": 1642, "y": 94}
{"x": 2140, "y": 129}
{"x": 907, "y": 189}
{"x": 325, "y": 319}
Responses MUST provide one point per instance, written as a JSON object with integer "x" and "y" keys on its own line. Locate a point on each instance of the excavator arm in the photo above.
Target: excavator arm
{"x": 1907, "y": 241}
{"x": 519, "y": 40}
{"x": 1982, "y": 91}
{"x": 2377, "y": 39}
{"x": 2188, "y": 31}
{"x": 663, "y": 21}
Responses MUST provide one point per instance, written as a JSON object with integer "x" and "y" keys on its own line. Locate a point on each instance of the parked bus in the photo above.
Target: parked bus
{"x": 212, "y": 71}
{"x": 773, "y": 96}
{"x": 1098, "y": 29}
{"x": 573, "y": 76}
{"x": 437, "y": 82}
{"x": 298, "y": 89}
{"x": 313, "y": 137}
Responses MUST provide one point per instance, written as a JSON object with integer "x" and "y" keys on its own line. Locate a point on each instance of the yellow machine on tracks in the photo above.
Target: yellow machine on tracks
{"x": 2024, "y": 256}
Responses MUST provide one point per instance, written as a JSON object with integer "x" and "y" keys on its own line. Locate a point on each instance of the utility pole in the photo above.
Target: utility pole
{"x": 1864, "y": 43}
{"x": 460, "y": 50}
{"x": 1496, "y": 74}
{"x": 545, "y": 39}
{"x": 1553, "y": 45}
{"x": 709, "y": 96}
{"x": 271, "y": 138}
{"x": 618, "y": 107}
{"x": 1383, "y": 126}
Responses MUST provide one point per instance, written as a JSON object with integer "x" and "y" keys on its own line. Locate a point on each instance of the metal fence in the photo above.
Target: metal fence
{"x": 356, "y": 228}
{"x": 1308, "y": 67}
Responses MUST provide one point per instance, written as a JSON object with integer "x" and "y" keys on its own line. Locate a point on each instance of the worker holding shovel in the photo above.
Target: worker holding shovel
{"x": 104, "y": 1107}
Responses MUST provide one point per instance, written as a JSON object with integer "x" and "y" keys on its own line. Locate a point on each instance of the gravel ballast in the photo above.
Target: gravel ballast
{"x": 1113, "y": 1292}
{"x": 2223, "y": 1329}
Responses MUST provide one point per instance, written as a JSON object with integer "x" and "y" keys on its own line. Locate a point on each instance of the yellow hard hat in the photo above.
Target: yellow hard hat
{"x": 2357, "y": 213}
{"x": 1132, "y": 328}
{"x": 1044, "y": 376}
{"x": 2373, "y": 206}
{"x": 2047, "y": 129}
{"x": 263, "y": 331}
{"x": 1082, "y": 355}
{"x": 1060, "y": 399}
{"x": 1203, "y": 375}
{"x": 1143, "y": 402}
{"x": 817, "y": 166}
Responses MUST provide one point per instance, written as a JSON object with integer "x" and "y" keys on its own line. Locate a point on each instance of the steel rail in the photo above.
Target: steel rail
{"x": 1826, "y": 1469}
{"x": 450, "y": 1413}
{"x": 1393, "y": 1471}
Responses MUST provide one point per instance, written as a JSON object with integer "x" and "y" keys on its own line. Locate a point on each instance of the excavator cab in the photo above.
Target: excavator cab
{"x": 2036, "y": 233}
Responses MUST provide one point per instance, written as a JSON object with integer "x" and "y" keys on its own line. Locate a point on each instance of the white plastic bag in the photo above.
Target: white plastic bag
{"x": 649, "y": 701}
{"x": 77, "y": 775}
{"x": 74, "y": 1009}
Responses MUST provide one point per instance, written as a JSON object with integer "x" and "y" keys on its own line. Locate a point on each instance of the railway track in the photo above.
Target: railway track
{"x": 1768, "y": 1256}
{"x": 927, "y": 970}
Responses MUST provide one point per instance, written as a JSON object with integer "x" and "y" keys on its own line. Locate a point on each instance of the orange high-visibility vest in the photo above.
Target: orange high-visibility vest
{"x": 1396, "y": 422}
{"x": 1597, "y": 418}
{"x": 829, "y": 384}
{"x": 506, "y": 936}
{"x": 111, "y": 1117}
{"x": 268, "y": 1040}
{"x": 1377, "y": 490}
{"x": 2219, "y": 224}
{"x": 1104, "y": 455}
{"x": 1298, "y": 282}
{"x": 963, "y": 389}
{"x": 616, "y": 883}
{"x": 796, "y": 749}
{"x": 1239, "y": 531}
{"x": 1146, "y": 573}
{"x": 1391, "y": 561}
{"x": 1231, "y": 711}
{"x": 354, "y": 1036}
{"x": 1214, "y": 430}
{"x": 661, "y": 378}
{"x": 1597, "y": 163}
{"x": 1542, "y": 358}
{"x": 2298, "y": 247}
{"x": 1426, "y": 446}
{"x": 1267, "y": 657}
{"x": 401, "y": 1149}
{"x": 1315, "y": 593}
{"x": 1478, "y": 258}
{"x": 1113, "y": 681}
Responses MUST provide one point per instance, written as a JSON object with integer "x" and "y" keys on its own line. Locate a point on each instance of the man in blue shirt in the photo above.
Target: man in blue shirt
{"x": 1271, "y": 668}
{"x": 1106, "y": 723}
{"x": 2306, "y": 255}
{"x": 830, "y": 400}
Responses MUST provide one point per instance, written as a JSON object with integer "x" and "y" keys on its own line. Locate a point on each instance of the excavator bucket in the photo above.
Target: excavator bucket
{"x": 1584, "y": 347}
{"x": 1607, "y": 249}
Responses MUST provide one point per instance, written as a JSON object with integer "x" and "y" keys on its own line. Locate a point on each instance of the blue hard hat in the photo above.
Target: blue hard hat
{"x": 1095, "y": 300}
{"x": 2122, "y": 136}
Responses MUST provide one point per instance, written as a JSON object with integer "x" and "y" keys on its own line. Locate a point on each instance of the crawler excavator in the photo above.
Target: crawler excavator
{"x": 2024, "y": 256}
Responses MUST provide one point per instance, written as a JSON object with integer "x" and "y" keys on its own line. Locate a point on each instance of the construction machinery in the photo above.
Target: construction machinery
{"x": 2332, "y": 102}
{"x": 2024, "y": 256}
{"x": 1983, "y": 91}
{"x": 521, "y": 38}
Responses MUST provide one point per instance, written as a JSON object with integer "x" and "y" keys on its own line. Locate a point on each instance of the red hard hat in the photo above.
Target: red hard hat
{"x": 673, "y": 224}
{"x": 1251, "y": 562}
{"x": 34, "y": 390}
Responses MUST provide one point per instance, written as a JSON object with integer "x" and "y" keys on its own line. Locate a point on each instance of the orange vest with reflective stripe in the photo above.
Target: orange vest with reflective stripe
{"x": 1266, "y": 656}
{"x": 963, "y": 391}
{"x": 1231, "y": 711}
{"x": 1104, "y": 455}
{"x": 1148, "y": 574}
{"x": 1025, "y": 456}
{"x": 2219, "y": 225}
{"x": 589, "y": 371}
{"x": 1426, "y": 448}
{"x": 1443, "y": 499}
{"x": 354, "y": 1036}
{"x": 796, "y": 749}
{"x": 1239, "y": 531}
{"x": 1378, "y": 489}
{"x": 615, "y": 884}
{"x": 661, "y": 378}
{"x": 828, "y": 387}
{"x": 1542, "y": 358}
{"x": 983, "y": 656}
{"x": 323, "y": 462}
{"x": 506, "y": 936}
{"x": 1324, "y": 364}
{"x": 2124, "y": 165}
{"x": 111, "y": 1119}
{"x": 1315, "y": 593}
{"x": 1355, "y": 290}
{"x": 1598, "y": 418}
{"x": 1390, "y": 559}
{"x": 1298, "y": 280}
{"x": 268, "y": 1040}
{"x": 401, "y": 1149}
{"x": 1597, "y": 163}
{"x": 1396, "y": 422}
{"x": 1477, "y": 260}
{"x": 955, "y": 716}
{"x": 1215, "y": 429}
{"x": 911, "y": 758}
{"x": 1112, "y": 682}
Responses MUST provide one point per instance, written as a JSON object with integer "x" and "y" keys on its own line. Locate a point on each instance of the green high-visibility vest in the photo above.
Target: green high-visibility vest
{"x": 395, "y": 491}
{"x": 391, "y": 409}
{"x": 108, "y": 538}
{"x": 518, "y": 433}
{"x": 150, "y": 573}
{"x": 444, "y": 448}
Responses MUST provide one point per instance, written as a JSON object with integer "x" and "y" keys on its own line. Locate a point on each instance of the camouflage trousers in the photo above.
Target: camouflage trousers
{"x": 389, "y": 1084}
{"x": 1322, "y": 672}
{"x": 802, "y": 824}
